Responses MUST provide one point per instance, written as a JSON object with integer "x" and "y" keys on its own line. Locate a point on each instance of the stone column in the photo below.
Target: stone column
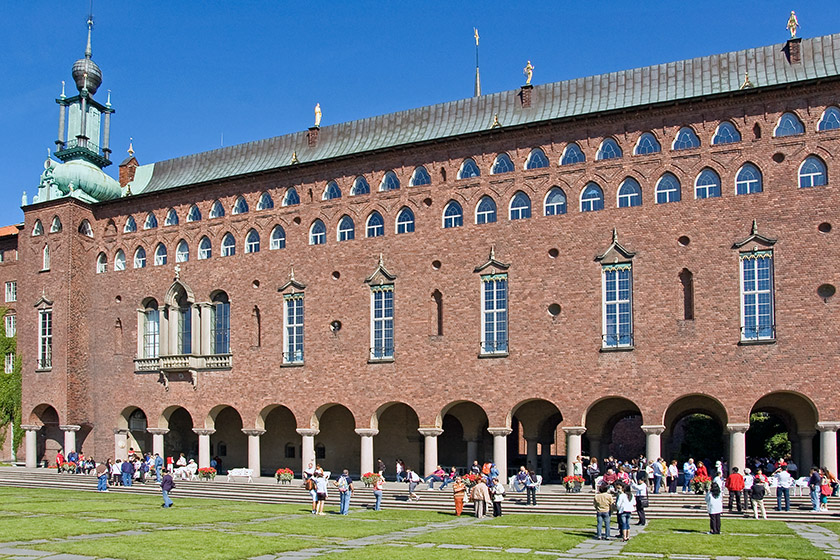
{"x": 430, "y": 436}
{"x": 206, "y": 328}
{"x": 254, "y": 449}
{"x": 828, "y": 445}
{"x": 196, "y": 333}
{"x": 307, "y": 454}
{"x": 531, "y": 462}
{"x": 472, "y": 451}
{"x": 545, "y": 448}
{"x": 174, "y": 323}
{"x": 204, "y": 446}
{"x": 500, "y": 451}
{"x": 70, "y": 437}
{"x": 737, "y": 445}
{"x": 367, "y": 449}
{"x": 806, "y": 449}
{"x": 31, "y": 445}
{"x": 157, "y": 440}
{"x": 141, "y": 326}
{"x": 573, "y": 446}
{"x": 120, "y": 444}
{"x": 653, "y": 441}
{"x": 163, "y": 330}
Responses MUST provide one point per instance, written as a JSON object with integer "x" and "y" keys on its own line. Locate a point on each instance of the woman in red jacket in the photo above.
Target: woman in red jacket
{"x": 701, "y": 469}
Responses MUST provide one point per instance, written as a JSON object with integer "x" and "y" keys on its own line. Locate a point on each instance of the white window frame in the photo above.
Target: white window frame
{"x": 151, "y": 333}
{"x": 611, "y": 314}
{"x": 343, "y": 233}
{"x": 751, "y": 294}
{"x": 228, "y": 249}
{"x": 494, "y": 314}
{"x": 251, "y": 245}
{"x": 119, "y": 261}
{"x": 10, "y": 324}
{"x": 278, "y": 242}
{"x": 11, "y": 291}
{"x": 182, "y": 251}
{"x": 101, "y": 263}
{"x": 10, "y": 363}
{"x": 161, "y": 257}
{"x": 382, "y": 322}
{"x": 293, "y": 328}
{"x": 205, "y": 252}
{"x": 45, "y": 346}
{"x": 139, "y": 262}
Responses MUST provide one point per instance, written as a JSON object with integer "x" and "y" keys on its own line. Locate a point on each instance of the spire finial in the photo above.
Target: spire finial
{"x": 62, "y": 90}
{"x": 615, "y": 235}
{"x": 747, "y": 83}
{"x": 294, "y": 157}
{"x": 477, "y": 92}
{"x": 754, "y": 227}
{"x": 131, "y": 146}
{"x": 381, "y": 261}
{"x": 496, "y": 123}
{"x": 291, "y": 273}
{"x": 88, "y": 50}
{"x": 492, "y": 252}
{"x": 108, "y": 102}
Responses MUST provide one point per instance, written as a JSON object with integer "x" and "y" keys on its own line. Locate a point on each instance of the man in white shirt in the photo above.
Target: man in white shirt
{"x": 689, "y": 468}
{"x": 784, "y": 481}
{"x": 749, "y": 479}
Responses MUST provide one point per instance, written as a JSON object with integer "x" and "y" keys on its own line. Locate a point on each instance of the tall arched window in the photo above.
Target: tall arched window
{"x": 502, "y": 164}
{"x": 453, "y": 216}
{"x": 609, "y": 150}
{"x": 37, "y": 229}
{"x": 572, "y": 154}
{"x": 555, "y": 202}
{"x": 536, "y": 159}
{"x": 405, "y": 221}
{"x": 85, "y": 229}
{"x": 346, "y": 229}
{"x": 647, "y": 144}
{"x": 668, "y": 189}
{"x": 789, "y": 125}
{"x": 151, "y": 221}
{"x": 119, "y": 260}
{"x": 317, "y": 233}
{"x": 291, "y": 198}
{"x": 130, "y": 225}
{"x": 748, "y": 180}
{"x": 221, "y": 324}
{"x": 205, "y": 248}
{"x": 194, "y": 215}
{"x": 468, "y": 169}
{"x": 686, "y": 139}
{"x": 252, "y": 242}
{"x": 101, "y": 263}
{"x": 240, "y": 206}
{"x": 181, "y": 313}
{"x": 420, "y": 177}
{"x": 592, "y": 198}
{"x": 171, "y": 218}
{"x": 830, "y": 119}
{"x": 182, "y": 252}
{"x": 217, "y": 210}
{"x": 265, "y": 202}
{"x": 45, "y": 258}
{"x": 360, "y": 186}
{"x": 375, "y": 226}
{"x": 629, "y": 193}
{"x": 228, "y": 245}
{"x": 520, "y": 206}
{"x": 389, "y": 182}
{"x": 55, "y": 226}
{"x": 140, "y": 258}
{"x": 485, "y": 211}
{"x": 331, "y": 191}
{"x": 278, "y": 238}
{"x": 151, "y": 329}
{"x": 726, "y": 133}
{"x": 812, "y": 173}
{"x": 707, "y": 184}
{"x": 160, "y": 254}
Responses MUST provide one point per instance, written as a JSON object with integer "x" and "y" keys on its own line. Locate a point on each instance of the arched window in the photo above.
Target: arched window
{"x": 151, "y": 221}
{"x": 469, "y": 169}
{"x": 629, "y": 193}
{"x": 331, "y": 191}
{"x": 536, "y": 159}
{"x": 278, "y": 238}
{"x": 609, "y": 150}
{"x": 686, "y": 139}
{"x": 182, "y": 252}
{"x": 194, "y": 215}
{"x": 389, "y": 182}
{"x": 217, "y": 210}
{"x": 55, "y": 226}
{"x": 265, "y": 202}
{"x": 85, "y": 229}
{"x": 160, "y": 254}
{"x": 220, "y": 336}
{"x": 520, "y": 206}
{"x": 572, "y": 154}
{"x": 240, "y": 206}
{"x": 419, "y": 177}
{"x": 291, "y": 198}
{"x": 453, "y": 215}
{"x": 375, "y": 225}
{"x": 812, "y": 173}
{"x": 317, "y": 233}
{"x": 360, "y": 186}
{"x": 101, "y": 263}
{"x": 789, "y": 125}
{"x": 228, "y": 245}
{"x": 45, "y": 258}
{"x": 748, "y": 180}
{"x": 668, "y": 189}
{"x": 485, "y": 211}
{"x": 405, "y": 221}
{"x": 501, "y": 164}
{"x": 592, "y": 198}
{"x": 346, "y": 229}
{"x": 830, "y": 119}
{"x": 555, "y": 202}
{"x": 707, "y": 184}
{"x": 140, "y": 258}
{"x": 205, "y": 248}
{"x": 647, "y": 144}
{"x": 151, "y": 329}
{"x": 37, "y": 229}
{"x": 181, "y": 315}
{"x": 726, "y": 133}
{"x": 171, "y": 218}
{"x": 252, "y": 242}
{"x": 130, "y": 225}
{"x": 119, "y": 260}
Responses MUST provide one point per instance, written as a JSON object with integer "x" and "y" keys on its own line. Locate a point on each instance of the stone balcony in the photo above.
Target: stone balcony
{"x": 183, "y": 363}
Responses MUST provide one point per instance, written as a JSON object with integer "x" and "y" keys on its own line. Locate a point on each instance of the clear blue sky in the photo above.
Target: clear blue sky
{"x": 184, "y": 73}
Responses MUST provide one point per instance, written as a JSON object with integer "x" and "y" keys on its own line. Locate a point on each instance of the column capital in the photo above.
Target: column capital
{"x": 120, "y": 431}
{"x": 503, "y": 431}
{"x": 366, "y": 432}
{"x": 310, "y": 432}
{"x": 252, "y": 432}
{"x": 737, "y": 428}
{"x": 204, "y": 431}
{"x": 69, "y": 428}
{"x": 574, "y": 430}
{"x": 828, "y": 426}
{"x": 430, "y": 432}
{"x": 653, "y": 430}
{"x": 806, "y": 433}
{"x": 158, "y": 431}
{"x": 30, "y": 427}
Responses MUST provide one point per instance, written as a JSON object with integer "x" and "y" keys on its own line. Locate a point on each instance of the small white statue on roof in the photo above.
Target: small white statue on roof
{"x": 317, "y": 114}
{"x": 792, "y": 24}
{"x": 529, "y": 73}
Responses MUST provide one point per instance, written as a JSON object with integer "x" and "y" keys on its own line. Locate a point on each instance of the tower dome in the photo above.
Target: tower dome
{"x": 86, "y": 72}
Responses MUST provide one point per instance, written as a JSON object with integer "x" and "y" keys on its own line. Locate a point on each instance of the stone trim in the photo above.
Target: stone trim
{"x": 574, "y": 430}
{"x": 500, "y": 431}
{"x": 204, "y": 431}
{"x": 737, "y": 428}
{"x": 311, "y": 432}
{"x": 430, "y": 432}
{"x": 252, "y": 432}
{"x": 367, "y": 432}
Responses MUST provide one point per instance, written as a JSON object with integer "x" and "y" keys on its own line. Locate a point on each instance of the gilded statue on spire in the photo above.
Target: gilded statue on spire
{"x": 529, "y": 73}
{"x": 792, "y": 24}
{"x": 317, "y": 115}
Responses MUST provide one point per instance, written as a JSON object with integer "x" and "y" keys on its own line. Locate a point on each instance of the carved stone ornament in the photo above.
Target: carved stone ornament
{"x": 294, "y": 284}
{"x": 615, "y": 253}
{"x": 380, "y": 274}
{"x": 756, "y": 239}
{"x": 491, "y": 265}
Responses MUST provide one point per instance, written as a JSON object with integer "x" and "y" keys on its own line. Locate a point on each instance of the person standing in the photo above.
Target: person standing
{"x": 640, "y": 489}
{"x": 102, "y": 477}
{"x": 345, "y": 491}
{"x": 735, "y": 485}
{"x": 127, "y": 470}
{"x": 158, "y": 467}
{"x": 459, "y": 489}
{"x": 320, "y": 491}
{"x": 814, "y": 483}
{"x": 604, "y": 502}
{"x": 625, "y": 505}
{"x": 689, "y": 468}
{"x": 592, "y": 471}
{"x": 480, "y": 495}
{"x": 400, "y": 468}
{"x": 377, "y": 491}
{"x": 380, "y": 467}
{"x": 825, "y": 489}
{"x": 166, "y": 486}
{"x": 413, "y": 480}
{"x": 757, "y": 494}
{"x": 531, "y": 489}
{"x": 714, "y": 505}
{"x": 783, "y": 484}
{"x": 673, "y": 475}
{"x": 658, "y": 473}
{"x": 498, "y": 497}
{"x": 749, "y": 480}
{"x": 310, "y": 486}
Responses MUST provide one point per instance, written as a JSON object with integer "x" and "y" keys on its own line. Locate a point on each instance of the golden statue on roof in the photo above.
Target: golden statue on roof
{"x": 792, "y": 24}
{"x": 317, "y": 115}
{"x": 529, "y": 73}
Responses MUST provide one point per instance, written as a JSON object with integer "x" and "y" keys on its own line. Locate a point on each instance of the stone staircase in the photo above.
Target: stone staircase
{"x": 551, "y": 499}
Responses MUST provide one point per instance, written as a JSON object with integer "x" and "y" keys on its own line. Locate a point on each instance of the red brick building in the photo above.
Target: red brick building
{"x": 435, "y": 284}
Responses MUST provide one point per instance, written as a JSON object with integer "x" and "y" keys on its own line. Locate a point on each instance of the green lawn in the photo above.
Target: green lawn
{"x": 516, "y": 537}
{"x": 541, "y": 520}
{"x": 42, "y": 527}
{"x": 412, "y": 553}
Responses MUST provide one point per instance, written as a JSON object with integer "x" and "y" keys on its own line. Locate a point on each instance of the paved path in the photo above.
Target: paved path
{"x": 822, "y": 538}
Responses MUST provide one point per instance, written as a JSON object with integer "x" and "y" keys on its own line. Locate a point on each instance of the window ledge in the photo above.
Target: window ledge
{"x": 381, "y": 360}
{"x": 757, "y": 342}
{"x": 291, "y": 364}
{"x": 493, "y": 355}
{"x": 43, "y": 270}
{"x": 43, "y": 370}
{"x": 617, "y": 348}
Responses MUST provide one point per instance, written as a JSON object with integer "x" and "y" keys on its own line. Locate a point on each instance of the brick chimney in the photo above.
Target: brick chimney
{"x": 793, "y": 50}
{"x": 313, "y": 136}
{"x": 127, "y": 169}
{"x": 525, "y": 96}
